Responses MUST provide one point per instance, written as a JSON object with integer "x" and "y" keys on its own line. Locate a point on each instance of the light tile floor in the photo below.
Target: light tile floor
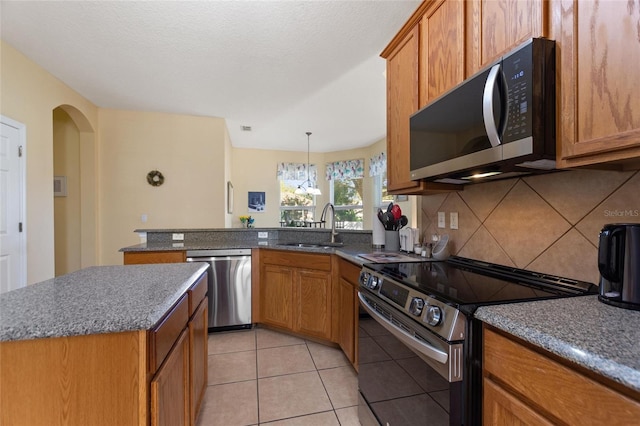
{"x": 260, "y": 376}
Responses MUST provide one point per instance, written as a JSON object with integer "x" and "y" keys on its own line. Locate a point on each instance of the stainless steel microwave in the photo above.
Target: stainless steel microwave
{"x": 498, "y": 123}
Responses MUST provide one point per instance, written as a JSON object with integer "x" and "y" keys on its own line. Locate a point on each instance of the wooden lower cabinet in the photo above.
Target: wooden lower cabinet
{"x": 312, "y": 303}
{"x": 346, "y": 308}
{"x": 170, "y": 387}
{"x": 525, "y": 385}
{"x": 198, "y": 356}
{"x": 295, "y": 292}
{"x": 276, "y": 295}
{"x": 143, "y": 257}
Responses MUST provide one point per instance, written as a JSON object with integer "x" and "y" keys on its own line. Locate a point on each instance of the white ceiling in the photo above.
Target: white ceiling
{"x": 281, "y": 67}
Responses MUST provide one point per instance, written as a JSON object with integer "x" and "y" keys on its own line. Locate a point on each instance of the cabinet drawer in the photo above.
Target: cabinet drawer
{"x": 164, "y": 335}
{"x": 144, "y": 257}
{"x": 349, "y": 271}
{"x": 321, "y": 262}
{"x": 197, "y": 292}
{"x": 561, "y": 391}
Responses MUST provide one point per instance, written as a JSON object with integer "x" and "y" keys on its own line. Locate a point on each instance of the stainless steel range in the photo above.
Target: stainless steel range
{"x": 420, "y": 350}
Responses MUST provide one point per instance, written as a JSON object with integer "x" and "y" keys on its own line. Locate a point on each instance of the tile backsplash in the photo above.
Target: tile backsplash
{"x": 548, "y": 223}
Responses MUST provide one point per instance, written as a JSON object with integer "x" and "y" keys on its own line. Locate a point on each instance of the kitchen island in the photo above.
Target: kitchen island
{"x": 105, "y": 345}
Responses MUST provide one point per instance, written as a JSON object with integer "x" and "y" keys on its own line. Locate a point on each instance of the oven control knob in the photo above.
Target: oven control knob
{"x": 434, "y": 315}
{"x": 373, "y": 282}
{"x": 364, "y": 278}
{"x": 416, "y": 305}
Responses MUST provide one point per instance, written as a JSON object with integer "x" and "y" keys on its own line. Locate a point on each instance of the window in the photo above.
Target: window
{"x": 378, "y": 171}
{"x": 346, "y": 197}
{"x": 296, "y": 209}
{"x": 345, "y": 186}
{"x": 382, "y": 197}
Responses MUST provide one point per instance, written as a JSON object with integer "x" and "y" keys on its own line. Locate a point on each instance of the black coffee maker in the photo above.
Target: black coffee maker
{"x": 619, "y": 265}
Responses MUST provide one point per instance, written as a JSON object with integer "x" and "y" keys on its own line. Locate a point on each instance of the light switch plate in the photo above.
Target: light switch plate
{"x": 178, "y": 237}
{"x": 453, "y": 220}
{"x": 441, "y": 220}
{"x": 263, "y": 235}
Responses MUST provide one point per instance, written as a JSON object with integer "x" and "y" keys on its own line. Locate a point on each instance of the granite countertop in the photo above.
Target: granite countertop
{"x": 100, "y": 299}
{"x": 602, "y": 338}
{"x": 347, "y": 251}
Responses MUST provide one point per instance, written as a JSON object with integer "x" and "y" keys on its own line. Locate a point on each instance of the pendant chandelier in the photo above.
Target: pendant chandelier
{"x": 307, "y": 187}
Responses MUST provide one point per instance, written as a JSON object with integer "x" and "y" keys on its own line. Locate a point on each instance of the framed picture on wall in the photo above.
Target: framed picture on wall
{"x": 229, "y": 197}
{"x": 59, "y": 186}
{"x": 257, "y": 202}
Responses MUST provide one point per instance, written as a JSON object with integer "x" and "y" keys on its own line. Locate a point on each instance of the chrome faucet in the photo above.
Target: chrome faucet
{"x": 323, "y": 219}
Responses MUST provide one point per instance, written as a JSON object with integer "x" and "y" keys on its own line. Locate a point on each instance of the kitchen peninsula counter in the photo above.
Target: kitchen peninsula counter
{"x": 601, "y": 338}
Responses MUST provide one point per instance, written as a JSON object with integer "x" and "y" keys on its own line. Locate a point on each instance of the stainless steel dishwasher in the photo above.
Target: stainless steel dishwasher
{"x": 229, "y": 286}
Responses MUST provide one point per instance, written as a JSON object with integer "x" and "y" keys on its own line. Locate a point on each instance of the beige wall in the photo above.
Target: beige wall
{"x": 189, "y": 151}
{"x": 67, "y": 219}
{"x": 255, "y": 170}
{"x": 29, "y": 95}
{"x": 548, "y": 223}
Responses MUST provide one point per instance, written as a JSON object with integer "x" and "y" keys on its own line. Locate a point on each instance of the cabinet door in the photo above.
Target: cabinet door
{"x": 276, "y": 296}
{"x": 346, "y": 308}
{"x": 312, "y": 303}
{"x": 441, "y": 49}
{"x": 599, "y": 106}
{"x": 347, "y": 318}
{"x": 502, "y": 408}
{"x": 170, "y": 387}
{"x": 198, "y": 356}
{"x": 402, "y": 101}
{"x": 498, "y": 26}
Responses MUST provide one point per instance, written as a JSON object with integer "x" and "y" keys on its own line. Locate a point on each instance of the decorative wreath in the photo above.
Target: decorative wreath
{"x": 155, "y": 178}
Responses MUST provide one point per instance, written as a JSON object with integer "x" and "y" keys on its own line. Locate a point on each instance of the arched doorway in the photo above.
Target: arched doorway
{"x": 75, "y": 199}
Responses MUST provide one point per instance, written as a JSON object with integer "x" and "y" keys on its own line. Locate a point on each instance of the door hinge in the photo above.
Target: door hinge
{"x": 20, "y": 227}
{"x": 20, "y": 151}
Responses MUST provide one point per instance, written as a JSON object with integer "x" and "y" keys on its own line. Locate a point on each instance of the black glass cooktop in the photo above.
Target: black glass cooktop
{"x": 467, "y": 283}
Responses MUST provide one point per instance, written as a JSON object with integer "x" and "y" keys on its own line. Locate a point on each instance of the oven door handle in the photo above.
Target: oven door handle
{"x": 422, "y": 347}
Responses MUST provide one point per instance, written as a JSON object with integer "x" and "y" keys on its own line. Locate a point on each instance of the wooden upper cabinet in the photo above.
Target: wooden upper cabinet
{"x": 497, "y": 26}
{"x": 402, "y": 55}
{"x": 441, "y": 49}
{"x": 402, "y": 101}
{"x": 598, "y": 58}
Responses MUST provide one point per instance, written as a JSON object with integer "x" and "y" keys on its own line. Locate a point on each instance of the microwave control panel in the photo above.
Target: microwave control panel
{"x": 518, "y": 73}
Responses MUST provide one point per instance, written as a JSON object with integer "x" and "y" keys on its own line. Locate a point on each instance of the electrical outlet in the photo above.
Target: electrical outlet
{"x": 143, "y": 218}
{"x": 453, "y": 220}
{"x": 178, "y": 237}
{"x": 263, "y": 235}
{"x": 441, "y": 220}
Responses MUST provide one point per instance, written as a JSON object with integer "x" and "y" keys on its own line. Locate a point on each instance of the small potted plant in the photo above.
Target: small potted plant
{"x": 247, "y": 221}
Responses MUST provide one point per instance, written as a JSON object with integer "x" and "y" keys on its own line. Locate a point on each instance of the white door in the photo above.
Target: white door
{"x": 12, "y": 226}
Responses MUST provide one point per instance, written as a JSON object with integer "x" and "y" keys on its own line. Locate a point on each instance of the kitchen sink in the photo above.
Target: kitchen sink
{"x": 326, "y": 245}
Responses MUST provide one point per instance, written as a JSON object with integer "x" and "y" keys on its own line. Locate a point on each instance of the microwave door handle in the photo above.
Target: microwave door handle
{"x": 487, "y": 106}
